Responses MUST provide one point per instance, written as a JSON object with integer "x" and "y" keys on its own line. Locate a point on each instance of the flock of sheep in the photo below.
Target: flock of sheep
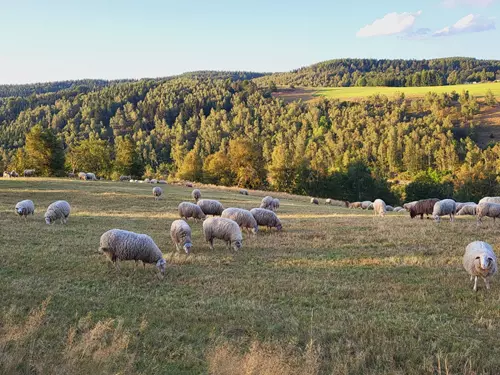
{"x": 226, "y": 224}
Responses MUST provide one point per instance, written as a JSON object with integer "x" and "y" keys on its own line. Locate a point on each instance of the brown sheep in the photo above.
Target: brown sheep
{"x": 355, "y": 205}
{"x": 423, "y": 206}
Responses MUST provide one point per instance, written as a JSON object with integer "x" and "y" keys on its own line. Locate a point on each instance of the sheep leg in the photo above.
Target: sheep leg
{"x": 117, "y": 265}
{"x": 211, "y": 242}
{"x": 421, "y": 216}
{"x": 475, "y": 284}
{"x": 486, "y": 282}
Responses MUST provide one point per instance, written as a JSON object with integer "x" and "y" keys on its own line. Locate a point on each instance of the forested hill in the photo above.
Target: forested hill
{"x": 232, "y": 133}
{"x": 398, "y": 73}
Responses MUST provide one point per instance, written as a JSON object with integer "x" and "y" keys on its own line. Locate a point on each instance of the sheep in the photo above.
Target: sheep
{"x": 188, "y": 209}
{"x": 91, "y": 177}
{"x": 337, "y": 203}
{"x": 223, "y": 229}
{"x": 487, "y": 209}
{"x": 444, "y": 207}
{"x": 468, "y": 209}
{"x": 24, "y": 208}
{"x": 243, "y": 218}
{"x": 314, "y": 201}
{"x": 82, "y": 176}
{"x": 355, "y": 205}
{"x": 29, "y": 173}
{"x": 389, "y": 208}
{"x": 266, "y": 202}
{"x": 461, "y": 205}
{"x": 409, "y": 205}
{"x": 57, "y": 210}
{"x": 196, "y": 194}
{"x": 157, "y": 192}
{"x": 153, "y": 181}
{"x": 421, "y": 207}
{"x": 119, "y": 244}
{"x": 180, "y": 233}
{"x": 71, "y": 175}
{"x": 480, "y": 261}
{"x": 365, "y": 205}
{"x": 189, "y": 185}
{"x": 210, "y": 207}
{"x": 275, "y": 204}
{"x": 266, "y": 218}
{"x": 162, "y": 182}
{"x": 243, "y": 191}
{"x": 147, "y": 180}
{"x": 6, "y": 175}
{"x": 125, "y": 178}
{"x": 14, "y": 174}
{"x": 490, "y": 200}
{"x": 398, "y": 209}
{"x": 379, "y": 207}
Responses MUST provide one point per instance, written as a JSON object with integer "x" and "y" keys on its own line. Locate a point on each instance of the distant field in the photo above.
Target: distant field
{"x": 478, "y": 90}
{"x": 337, "y": 292}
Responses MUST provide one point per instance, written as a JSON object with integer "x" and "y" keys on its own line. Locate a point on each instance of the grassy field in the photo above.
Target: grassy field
{"x": 337, "y": 292}
{"x": 479, "y": 90}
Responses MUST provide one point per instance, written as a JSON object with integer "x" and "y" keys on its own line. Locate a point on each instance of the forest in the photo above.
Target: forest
{"x": 232, "y": 132}
{"x": 393, "y": 73}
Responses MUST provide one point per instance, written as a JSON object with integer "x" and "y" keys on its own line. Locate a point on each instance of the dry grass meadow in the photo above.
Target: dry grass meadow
{"x": 337, "y": 292}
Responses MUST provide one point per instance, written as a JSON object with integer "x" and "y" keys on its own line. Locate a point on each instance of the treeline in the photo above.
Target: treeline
{"x": 394, "y": 73}
{"x": 232, "y": 133}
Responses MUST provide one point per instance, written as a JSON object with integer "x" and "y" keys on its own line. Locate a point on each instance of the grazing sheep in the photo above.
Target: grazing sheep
{"x": 82, "y": 176}
{"x": 147, "y": 180}
{"x": 275, "y": 204}
{"x": 365, "y": 205}
{"x": 328, "y": 201}
{"x": 480, "y": 261}
{"x": 266, "y": 218}
{"x": 6, "y": 174}
{"x": 243, "y": 191}
{"x": 162, "y": 182}
{"x": 91, "y": 177}
{"x": 57, "y": 210}
{"x": 468, "y": 209}
{"x": 188, "y": 184}
{"x": 71, "y": 175}
{"x": 153, "y": 181}
{"x": 355, "y": 205}
{"x": 461, "y": 204}
{"x": 157, "y": 192}
{"x": 379, "y": 207}
{"x": 389, "y": 208}
{"x": 14, "y": 174}
{"x": 314, "y": 201}
{"x": 490, "y": 200}
{"x": 223, "y": 229}
{"x": 29, "y": 173}
{"x": 210, "y": 207}
{"x": 409, "y": 205}
{"x": 487, "y": 209}
{"x": 180, "y": 233}
{"x": 188, "y": 209}
{"x": 423, "y": 206}
{"x": 196, "y": 194}
{"x": 125, "y": 178}
{"x": 266, "y": 202}
{"x": 118, "y": 244}
{"x": 444, "y": 207}
{"x": 24, "y": 208}
{"x": 398, "y": 209}
{"x": 243, "y": 218}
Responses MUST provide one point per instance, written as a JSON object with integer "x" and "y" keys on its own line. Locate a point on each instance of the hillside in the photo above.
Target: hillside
{"x": 397, "y": 73}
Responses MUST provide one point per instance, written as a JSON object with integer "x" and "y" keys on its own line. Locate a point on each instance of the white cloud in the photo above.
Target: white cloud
{"x": 471, "y": 23}
{"x": 391, "y": 24}
{"x": 455, "y": 3}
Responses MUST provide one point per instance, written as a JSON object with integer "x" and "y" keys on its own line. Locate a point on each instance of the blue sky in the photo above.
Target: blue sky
{"x": 57, "y": 40}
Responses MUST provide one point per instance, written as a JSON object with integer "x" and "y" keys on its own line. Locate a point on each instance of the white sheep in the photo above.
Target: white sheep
{"x": 57, "y": 210}
{"x": 244, "y": 218}
{"x": 118, "y": 244}
{"x": 243, "y": 191}
{"x": 275, "y": 204}
{"x": 180, "y": 233}
{"x": 409, "y": 205}
{"x": 379, "y": 207}
{"x": 154, "y": 181}
{"x": 398, "y": 209}
{"x": 157, "y": 192}
{"x": 266, "y": 218}
{"x": 490, "y": 200}
{"x": 82, "y": 176}
{"x": 223, "y": 229}
{"x": 480, "y": 261}
{"x": 188, "y": 209}
{"x": 389, "y": 208}
{"x": 365, "y": 205}
{"x": 210, "y": 207}
{"x": 91, "y": 177}
{"x": 468, "y": 209}
{"x": 487, "y": 209}
{"x": 314, "y": 201}
{"x": 460, "y": 205}
{"x": 444, "y": 207}
{"x": 25, "y": 208}
{"x": 266, "y": 202}
{"x": 162, "y": 182}
{"x": 196, "y": 194}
